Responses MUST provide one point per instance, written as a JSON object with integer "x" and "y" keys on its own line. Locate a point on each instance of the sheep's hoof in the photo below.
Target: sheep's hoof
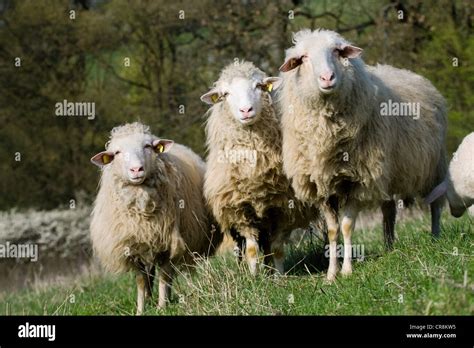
{"x": 331, "y": 277}
{"x": 346, "y": 270}
{"x": 253, "y": 267}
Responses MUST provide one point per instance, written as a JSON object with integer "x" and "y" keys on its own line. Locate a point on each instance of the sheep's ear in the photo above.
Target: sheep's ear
{"x": 271, "y": 83}
{"x": 349, "y": 51}
{"x": 162, "y": 145}
{"x": 291, "y": 64}
{"x": 437, "y": 192}
{"x": 211, "y": 97}
{"x": 102, "y": 158}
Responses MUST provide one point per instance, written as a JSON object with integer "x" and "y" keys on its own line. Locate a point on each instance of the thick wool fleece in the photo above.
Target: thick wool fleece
{"x": 244, "y": 194}
{"x": 163, "y": 218}
{"x": 340, "y": 144}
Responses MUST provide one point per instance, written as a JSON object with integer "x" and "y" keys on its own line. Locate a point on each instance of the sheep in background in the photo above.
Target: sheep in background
{"x": 341, "y": 151}
{"x": 245, "y": 186}
{"x": 149, "y": 209}
{"x": 459, "y": 183}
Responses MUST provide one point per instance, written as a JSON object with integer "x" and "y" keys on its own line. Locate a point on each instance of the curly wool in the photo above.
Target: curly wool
{"x": 140, "y": 224}
{"x": 341, "y": 145}
{"x": 239, "y": 194}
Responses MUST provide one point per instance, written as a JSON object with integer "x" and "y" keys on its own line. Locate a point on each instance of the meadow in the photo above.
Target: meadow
{"x": 420, "y": 276}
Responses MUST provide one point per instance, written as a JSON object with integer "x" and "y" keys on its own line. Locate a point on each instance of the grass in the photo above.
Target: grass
{"x": 420, "y": 276}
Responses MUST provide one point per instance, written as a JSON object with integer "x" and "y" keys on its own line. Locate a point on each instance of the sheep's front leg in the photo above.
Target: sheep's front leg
{"x": 329, "y": 210}
{"x": 347, "y": 226}
{"x": 251, "y": 248}
{"x": 252, "y": 254}
{"x": 389, "y": 212}
{"x": 141, "y": 291}
{"x": 165, "y": 280}
{"x": 144, "y": 279}
{"x": 278, "y": 252}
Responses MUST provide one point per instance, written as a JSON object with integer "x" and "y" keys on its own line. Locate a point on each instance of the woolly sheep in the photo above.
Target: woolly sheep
{"x": 149, "y": 209}
{"x": 244, "y": 184}
{"x": 341, "y": 152}
{"x": 459, "y": 183}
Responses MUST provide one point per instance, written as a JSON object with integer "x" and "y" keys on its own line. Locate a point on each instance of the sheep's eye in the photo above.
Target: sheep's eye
{"x": 225, "y": 94}
{"x": 117, "y": 152}
{"x": 148, "y": 146}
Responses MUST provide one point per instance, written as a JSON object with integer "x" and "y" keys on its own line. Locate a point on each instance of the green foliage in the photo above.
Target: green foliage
{"x": 173, "y": 60}
{"x": 420, "y": 277}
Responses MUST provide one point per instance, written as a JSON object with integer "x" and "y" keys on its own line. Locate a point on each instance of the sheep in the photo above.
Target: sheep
{"x": 459, "y": 183}
{"x": 341, "y": 148}
{"x": 149, "y": 209}
{"x": 244, "y": 183}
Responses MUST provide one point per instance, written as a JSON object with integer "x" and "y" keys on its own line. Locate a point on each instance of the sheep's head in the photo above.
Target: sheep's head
{"x": 319, "y": 59}
{"x": 132, "y": 156}
{"x": 242, "y": 87}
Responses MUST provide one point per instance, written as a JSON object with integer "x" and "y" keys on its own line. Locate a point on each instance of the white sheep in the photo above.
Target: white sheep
{"x": 149, "y": 209}
{"x": 245, "y": 186}
{"x": 355, "y": 135}
{"x": 459, "y": 183}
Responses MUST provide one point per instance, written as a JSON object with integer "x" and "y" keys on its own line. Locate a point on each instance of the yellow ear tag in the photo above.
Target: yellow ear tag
{"x": 160, "y": 148}
{"x": 269, "y": 87}
{"x": 214, "y": 98}
{"x": 106, "y": 159}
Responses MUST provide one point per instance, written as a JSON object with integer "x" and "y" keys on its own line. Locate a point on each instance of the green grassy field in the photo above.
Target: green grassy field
{"x": 419, "y": 276}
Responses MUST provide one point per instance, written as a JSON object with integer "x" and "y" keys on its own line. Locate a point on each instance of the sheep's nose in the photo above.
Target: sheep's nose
{"x": 136, "y": 169}
{"x": 246, "y": 110}
{"x": 327, "y": 76}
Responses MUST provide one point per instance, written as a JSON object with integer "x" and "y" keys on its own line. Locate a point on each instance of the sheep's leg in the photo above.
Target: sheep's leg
{"x": 252, "y": 253}
{"x": 436, "y": 208}
{"x": 278, "y": 252}
{"x": 165, "y": 279}
{"x": 389, "y": 212}
{"x": 347, "y": 226}
{"x": 330, "y": 214}
{"x": 144, "y": 279}
{"x": 251, "y": 248}
{"x": 141, "y": 279}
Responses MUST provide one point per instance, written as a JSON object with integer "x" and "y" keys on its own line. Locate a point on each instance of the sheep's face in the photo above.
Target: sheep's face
{"x": 243, "y": 96}
{"x": 132, "y": 157}
{"x": 318, "y": 59}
